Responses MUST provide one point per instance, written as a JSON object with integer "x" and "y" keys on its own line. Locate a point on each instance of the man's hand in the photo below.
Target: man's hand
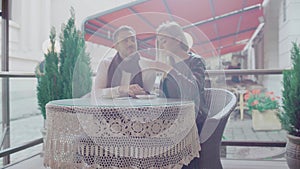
{"x": 131, "y": 90}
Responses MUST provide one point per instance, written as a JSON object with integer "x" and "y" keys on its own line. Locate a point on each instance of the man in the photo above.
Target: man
{"x": 122, "y": 74}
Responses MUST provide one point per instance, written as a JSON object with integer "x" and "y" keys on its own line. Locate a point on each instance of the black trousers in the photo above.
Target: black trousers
{"x": 194, "y": 164}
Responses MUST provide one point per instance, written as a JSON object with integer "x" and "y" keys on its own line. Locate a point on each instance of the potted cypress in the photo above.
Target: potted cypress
{"x": 67, "y": 74}
{"x": 290, "y": 116}
{"x": 48, "y": 87}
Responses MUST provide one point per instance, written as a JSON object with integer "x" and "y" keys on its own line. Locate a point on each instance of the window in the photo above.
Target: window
{"x": 284, "y": 10}
{"x": 9, "y": 9}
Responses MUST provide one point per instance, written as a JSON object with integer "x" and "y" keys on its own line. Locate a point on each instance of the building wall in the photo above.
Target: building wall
{"x": 270, "y": 56}
{"x": 289, "y": 24}
{"x": 271, "y": 34}
{"x": 28, "y": 28}
{"x": 281, "y": 28}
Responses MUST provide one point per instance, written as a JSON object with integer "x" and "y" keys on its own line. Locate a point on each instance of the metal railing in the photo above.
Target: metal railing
{"x": 24, "y": 146}
{"x": 227, "y": 72}
{"x": 3, "y": 137}
{"x": 254, "y": 143}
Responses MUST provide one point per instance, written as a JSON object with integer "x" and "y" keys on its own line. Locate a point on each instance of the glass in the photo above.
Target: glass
{"x": 158, "y": 79}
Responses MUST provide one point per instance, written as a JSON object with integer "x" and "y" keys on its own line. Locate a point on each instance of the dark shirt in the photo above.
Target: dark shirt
{"x": 235, "y": 79}
{"x": 187, "y": 81}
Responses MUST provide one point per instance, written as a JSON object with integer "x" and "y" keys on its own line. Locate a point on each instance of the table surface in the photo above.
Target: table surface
{"x": 118, "y": 102}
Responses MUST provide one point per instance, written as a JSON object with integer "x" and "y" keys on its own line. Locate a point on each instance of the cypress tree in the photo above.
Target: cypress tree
{"x": 69, "y": 74}
{"x": 75, "y": 62}
{"x": 290, "y": 117}
{"x": 49, "y": 83}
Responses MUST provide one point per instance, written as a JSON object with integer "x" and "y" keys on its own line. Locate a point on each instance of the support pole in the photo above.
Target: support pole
{"x": 5, "y": 80}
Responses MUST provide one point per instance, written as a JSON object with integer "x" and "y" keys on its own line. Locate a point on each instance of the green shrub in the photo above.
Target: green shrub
{"x": 290, "y": 117}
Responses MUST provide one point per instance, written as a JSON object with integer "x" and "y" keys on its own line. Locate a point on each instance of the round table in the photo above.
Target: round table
{"x": 120, "y": 133}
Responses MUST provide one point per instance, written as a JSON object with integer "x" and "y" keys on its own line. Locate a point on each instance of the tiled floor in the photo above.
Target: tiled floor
{"x": 241, "y": 130}
{"x": 254, "y": 164}
{"x": 37, "y": 163}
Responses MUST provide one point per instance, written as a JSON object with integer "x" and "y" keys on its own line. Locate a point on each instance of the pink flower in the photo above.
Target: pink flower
{"x": 256, "y": 91}
{"x": 247, "y": 95}
{"x": 255, "y": 102}
{"x": 269, "y": 93}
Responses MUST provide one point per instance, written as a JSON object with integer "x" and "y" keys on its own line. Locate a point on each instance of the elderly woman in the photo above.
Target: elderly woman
{"x": 185, "y": 76}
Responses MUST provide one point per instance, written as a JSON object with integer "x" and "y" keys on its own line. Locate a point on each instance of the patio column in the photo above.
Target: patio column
{"x": 5, "y": 143}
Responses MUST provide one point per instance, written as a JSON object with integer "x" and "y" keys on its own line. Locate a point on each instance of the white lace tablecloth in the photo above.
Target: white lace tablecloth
{"x": 120, "y": 133}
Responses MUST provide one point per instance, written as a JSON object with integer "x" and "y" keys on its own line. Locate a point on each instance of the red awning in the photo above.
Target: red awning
{"x": 217, "y": 26}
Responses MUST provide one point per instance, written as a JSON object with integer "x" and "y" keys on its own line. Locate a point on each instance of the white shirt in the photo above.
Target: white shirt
{"x": 99, "y": 89}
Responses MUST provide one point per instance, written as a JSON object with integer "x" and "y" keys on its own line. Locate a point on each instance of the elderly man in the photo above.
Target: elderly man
{"x": 122, "y": 75}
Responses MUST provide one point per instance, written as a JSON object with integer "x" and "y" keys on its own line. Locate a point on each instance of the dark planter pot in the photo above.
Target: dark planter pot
{"x": 293, "y": 152}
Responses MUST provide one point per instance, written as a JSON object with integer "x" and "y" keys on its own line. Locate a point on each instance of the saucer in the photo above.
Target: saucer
{"x": 146, "y": 96}
{"x": 110, "y": 96}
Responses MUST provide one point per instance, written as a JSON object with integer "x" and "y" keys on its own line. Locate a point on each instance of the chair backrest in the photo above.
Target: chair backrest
{"x": 221, "y": 103}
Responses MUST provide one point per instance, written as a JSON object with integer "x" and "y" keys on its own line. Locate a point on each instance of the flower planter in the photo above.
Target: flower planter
{"x": 266, "y": 120}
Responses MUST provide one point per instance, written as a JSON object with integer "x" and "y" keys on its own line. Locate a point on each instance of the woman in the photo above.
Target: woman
{"x": 185, "y": 77}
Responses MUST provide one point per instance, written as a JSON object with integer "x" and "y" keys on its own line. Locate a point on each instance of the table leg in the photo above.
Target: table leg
{"x": 242, "y": 105}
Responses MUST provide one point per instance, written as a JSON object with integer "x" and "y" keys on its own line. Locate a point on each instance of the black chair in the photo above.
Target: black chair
{"x": 221, "y": 103}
